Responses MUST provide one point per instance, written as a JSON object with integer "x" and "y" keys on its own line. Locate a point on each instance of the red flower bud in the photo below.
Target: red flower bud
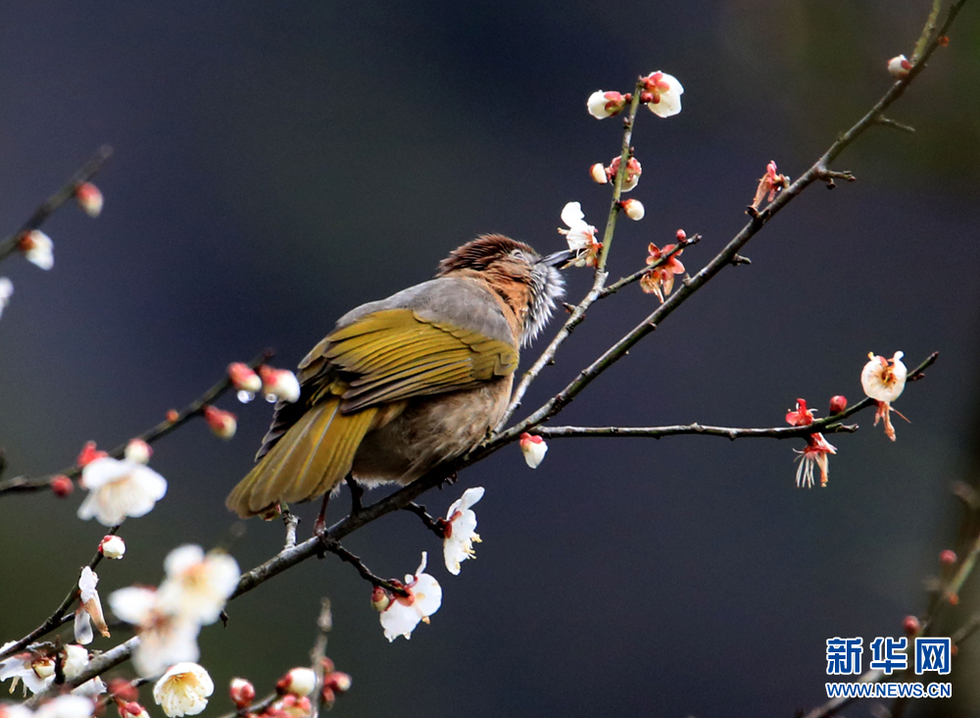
{"x": 838, "y": 404}
{"x": 89, "y": 454}
{"x": 947, "y": 557}
{"x": 61, "y": 486}
{"x": 911, "y": 625}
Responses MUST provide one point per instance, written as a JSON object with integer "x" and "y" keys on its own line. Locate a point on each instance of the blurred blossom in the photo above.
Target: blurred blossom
{"x": 119, "y": 489}
{"x": 38, "y": 248}
{"x": 89, "y": 198}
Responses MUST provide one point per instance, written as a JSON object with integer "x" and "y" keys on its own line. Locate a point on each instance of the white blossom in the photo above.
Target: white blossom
{"x": 197, "y": 585}
{"x": 461, "y": 531}
{"x": 118, "y": 489}
{"x": 90, "y": 608}
{"x": 67, "y": 706}
{"x": 183, "y": 690}
{"x": 38, "y": 249}
{"x": 165, "y": 639}
{"x": 404, "y": 613}
{"x": 667, "y": 91}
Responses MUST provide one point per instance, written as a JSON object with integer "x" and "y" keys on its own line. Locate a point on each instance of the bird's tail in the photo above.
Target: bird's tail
{"x": 308, "y": 461}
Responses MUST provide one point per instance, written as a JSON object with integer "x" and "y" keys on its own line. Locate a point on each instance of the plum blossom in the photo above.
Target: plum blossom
{"x": 460, "y": 531}
{"x": 660, "y": 279}
{"x": 165, "y": 639}
{"x": 89, "y": 609}
{"x": 197, "y": 585}
{"x": 35, "y": 670}
{"x": 604, "y": 104}
{"x": 800, "y": 416}
{"x": 884, "y": 381}
{"x": 38, "y": 248}
{"x": 815, "y": 455}
{"x": 76, "y": 661}
{"x": 632, "y": 175}
{"x": 404, "y": 612}
{"x": 534, "y": 448}
{"x": 769, "y": 184}
{"x": 118, "y": 489}
{"x": 183, "y": 690}
{"x": 580, "y": 236}
{"x": 663, "y": 94}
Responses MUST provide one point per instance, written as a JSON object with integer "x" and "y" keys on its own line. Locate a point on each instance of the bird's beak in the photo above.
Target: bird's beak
{"x": 558, "y": 258}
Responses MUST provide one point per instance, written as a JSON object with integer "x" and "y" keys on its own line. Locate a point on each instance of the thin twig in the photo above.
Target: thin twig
{"x": 11, "y": 243}
{"x": 23, "y": 484}
{"x": 58, "y": 618}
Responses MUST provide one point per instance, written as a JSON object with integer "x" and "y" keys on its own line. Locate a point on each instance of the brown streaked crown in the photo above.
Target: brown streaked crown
{"x": 480, "y": 253}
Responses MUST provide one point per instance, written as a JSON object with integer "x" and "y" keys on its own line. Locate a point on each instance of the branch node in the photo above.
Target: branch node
{"x": 739, "y": 259}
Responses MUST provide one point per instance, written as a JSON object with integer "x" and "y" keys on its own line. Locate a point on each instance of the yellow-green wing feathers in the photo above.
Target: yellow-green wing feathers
{"x": 355, "y": 380}
{"x": 395, "y": 354}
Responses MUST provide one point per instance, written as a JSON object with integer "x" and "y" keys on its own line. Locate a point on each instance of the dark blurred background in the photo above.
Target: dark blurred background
{"x": 279, "y": 163}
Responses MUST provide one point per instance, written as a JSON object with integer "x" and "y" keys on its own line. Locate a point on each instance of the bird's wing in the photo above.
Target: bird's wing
{"x": 395, "y": 354}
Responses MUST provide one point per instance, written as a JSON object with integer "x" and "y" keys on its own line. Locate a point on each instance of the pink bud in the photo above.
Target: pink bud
{"x": 112, "y": 547}
{"x": 838, "y": 404}
{"x": 243, "y": 378}
{"x": 633, "y": 209}
{"x": 899, "y": 67}
{"x": 947, "y": 558}
{"x": 681, "y": 235}
{"x": 223, "y": 423}
{"x": 89, "y": 198}
{"x": 911, "y": 625}
{"x": 172, "y": 415}
{"x": 242, "y": 692}
{"x": 61, "y": 486}
{"x": 89, "y": 454}
{"x": 138, "y": 451}
{"x": 534, "y": 448}
{"x": 328, "y": 696}
{"x": 598, "y": 173}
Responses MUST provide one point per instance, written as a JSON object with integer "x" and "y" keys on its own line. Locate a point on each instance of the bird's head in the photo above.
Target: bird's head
{"x": 528, "y": 282}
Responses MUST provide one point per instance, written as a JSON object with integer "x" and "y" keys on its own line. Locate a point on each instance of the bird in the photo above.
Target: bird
{"x": 404, "y": 384}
